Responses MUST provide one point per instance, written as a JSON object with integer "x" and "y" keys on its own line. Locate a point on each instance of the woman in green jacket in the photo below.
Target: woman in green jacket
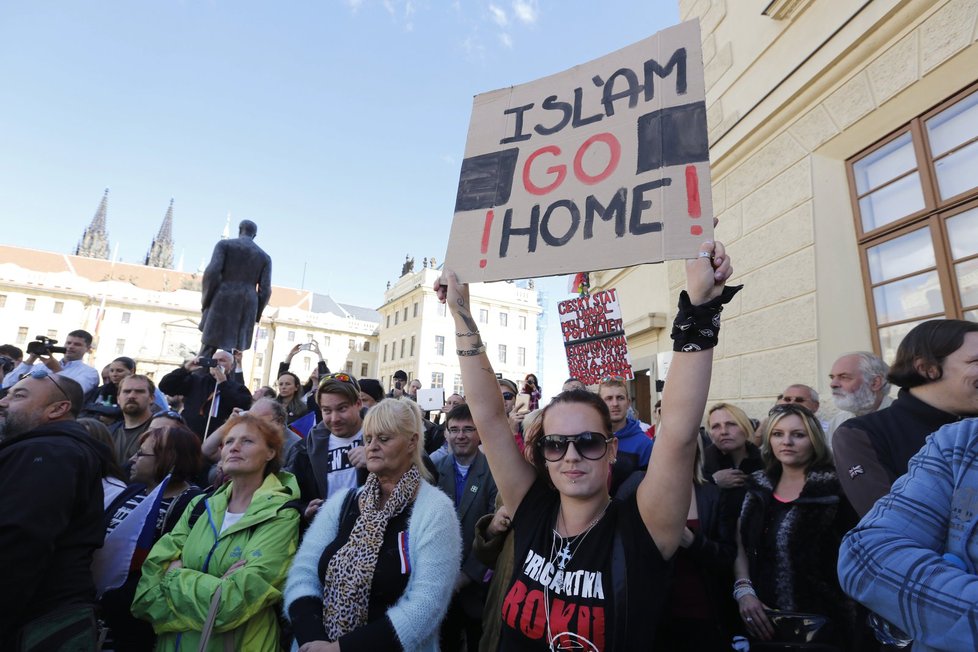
{"x": 241, "y": 542}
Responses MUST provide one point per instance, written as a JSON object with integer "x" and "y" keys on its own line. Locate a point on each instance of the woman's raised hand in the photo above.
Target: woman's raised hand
{"x": 707, "y": 274}
{"x": 455, "y": 295}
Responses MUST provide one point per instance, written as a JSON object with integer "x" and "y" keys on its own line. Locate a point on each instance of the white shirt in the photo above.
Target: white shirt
{"x": 230, "y": 518}
{"x": 341, "y": 473}
{"x": 77, "y": 370}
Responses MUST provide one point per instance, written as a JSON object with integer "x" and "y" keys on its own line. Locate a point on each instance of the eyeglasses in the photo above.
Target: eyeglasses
{"x": 468, "y": 430}
{"x": 791, "y": 399}
{"x": 791, "y": 408}
{"x": 589, "y": 445}
{"x": 169, "y": 414}
{"x": 342, "y": 377}
{"x": 508, "y": 396}
{"x": 42, "y": 372}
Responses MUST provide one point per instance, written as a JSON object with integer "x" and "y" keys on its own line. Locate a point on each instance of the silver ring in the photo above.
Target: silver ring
{"x": 705, "y": 254}
{"x": 749, "y": 619}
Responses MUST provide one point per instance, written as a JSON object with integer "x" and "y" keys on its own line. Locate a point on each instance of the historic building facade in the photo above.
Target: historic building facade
{"x": 417, "y": 335}
{"x": 151, "y": 314}
{"x": 843, "y": 144}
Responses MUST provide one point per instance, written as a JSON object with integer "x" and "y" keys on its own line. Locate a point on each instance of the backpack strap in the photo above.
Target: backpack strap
{"x": 199, "y": 508}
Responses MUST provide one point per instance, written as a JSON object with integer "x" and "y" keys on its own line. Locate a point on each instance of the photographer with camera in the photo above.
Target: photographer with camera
{"x": 40, "y": 353}
{"x": 210, "y": 392}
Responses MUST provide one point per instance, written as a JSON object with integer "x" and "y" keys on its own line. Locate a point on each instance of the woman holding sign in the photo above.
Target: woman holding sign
{"x": 590, "y": 570}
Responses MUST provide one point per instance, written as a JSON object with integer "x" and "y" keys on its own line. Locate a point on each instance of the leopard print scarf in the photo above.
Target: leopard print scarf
{"x": 346, "y": 583}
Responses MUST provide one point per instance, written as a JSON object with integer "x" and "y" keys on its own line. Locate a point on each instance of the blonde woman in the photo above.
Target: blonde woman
{"x": 377, "y": 566}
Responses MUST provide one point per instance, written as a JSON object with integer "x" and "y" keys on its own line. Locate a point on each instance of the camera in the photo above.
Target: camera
{"x": 207, "y": 362}
{"x": 44, "y": 346}
{"x": 7, "y": 364}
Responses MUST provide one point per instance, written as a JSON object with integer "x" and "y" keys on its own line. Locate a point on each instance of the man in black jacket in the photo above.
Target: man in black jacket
{"x": 207, "y": 392}
{"x": 936, "y": 369}
{"x": 52, "y": 520}
{"x": 331, "y": 458}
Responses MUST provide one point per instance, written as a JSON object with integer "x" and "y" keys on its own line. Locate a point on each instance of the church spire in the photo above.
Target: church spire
{"x": 94, "y": 242}
{"x": 161, "y": 251}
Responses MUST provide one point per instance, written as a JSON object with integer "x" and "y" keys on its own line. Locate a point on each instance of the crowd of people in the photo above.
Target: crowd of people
{"x": 197, "y": 515}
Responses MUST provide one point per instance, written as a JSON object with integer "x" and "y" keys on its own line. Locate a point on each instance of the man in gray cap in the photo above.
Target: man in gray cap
{"x": 236, "y": 288}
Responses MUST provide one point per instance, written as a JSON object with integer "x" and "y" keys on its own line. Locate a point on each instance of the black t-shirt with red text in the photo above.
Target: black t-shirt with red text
{"x": 581, "y": 599}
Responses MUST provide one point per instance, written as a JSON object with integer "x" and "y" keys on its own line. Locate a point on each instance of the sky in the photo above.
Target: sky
{"x": 338, "y": 126}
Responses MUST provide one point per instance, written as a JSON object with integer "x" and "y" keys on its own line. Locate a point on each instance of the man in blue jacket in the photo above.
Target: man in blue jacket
{"x": 632, "y": 440}
{"x": 913, "y": 559}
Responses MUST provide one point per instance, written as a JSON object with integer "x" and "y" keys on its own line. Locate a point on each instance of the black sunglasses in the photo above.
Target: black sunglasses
{"x": 508, "y": 396}
{"x": 589, "y": 445}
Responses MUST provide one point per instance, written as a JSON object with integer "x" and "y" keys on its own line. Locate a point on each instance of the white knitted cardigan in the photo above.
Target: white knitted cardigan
{"x": 435, "y": 553}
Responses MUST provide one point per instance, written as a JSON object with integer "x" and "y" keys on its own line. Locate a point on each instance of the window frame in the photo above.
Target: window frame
{"x": 933, "y": 217}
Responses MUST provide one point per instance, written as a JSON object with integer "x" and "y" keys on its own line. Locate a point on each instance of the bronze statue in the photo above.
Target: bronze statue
{"x": 237, "y": 286}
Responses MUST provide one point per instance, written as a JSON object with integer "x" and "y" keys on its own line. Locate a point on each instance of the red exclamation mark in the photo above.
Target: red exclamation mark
{"x": 485, "y": 238}
{"x": 693, "y": 198}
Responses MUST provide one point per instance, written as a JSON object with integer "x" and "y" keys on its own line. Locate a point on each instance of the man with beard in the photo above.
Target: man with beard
{"x": 52, "y": 521}
{"x": 135, "y": 397}
{"x": 859, "y": 386}
{"x": 936, "y": 369}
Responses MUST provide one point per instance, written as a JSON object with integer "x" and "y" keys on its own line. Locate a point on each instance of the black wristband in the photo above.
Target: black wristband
{"x": 697, "y": 328}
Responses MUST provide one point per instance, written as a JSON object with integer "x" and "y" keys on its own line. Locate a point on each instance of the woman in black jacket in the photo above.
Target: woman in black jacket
{"x": 791, "y": 525}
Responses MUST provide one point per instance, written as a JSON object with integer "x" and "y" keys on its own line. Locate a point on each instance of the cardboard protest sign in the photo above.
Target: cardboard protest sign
{"x": 601, "y": 166}
{"x": 594, "y": 337}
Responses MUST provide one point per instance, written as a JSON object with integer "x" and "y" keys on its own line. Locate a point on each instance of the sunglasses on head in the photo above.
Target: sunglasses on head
{"x": 43, "y": 372}
{"x": 589, "y": 445}
{"x": 341, "y": 377}
{"x": 170, "y": 414}
{"x": 791, "y": 399}
{"x": 790, "y": 408}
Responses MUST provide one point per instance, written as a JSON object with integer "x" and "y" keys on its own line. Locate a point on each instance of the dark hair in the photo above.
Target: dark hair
{"x": 298, "y": 381}
{"x": 569, "y": 397}
{"x": 146, "y": 379}
{"x": 85, "y": 335}
{"x": 177, "y": 451}
{"x": 128, "y": 363}
{"x": 459, "y": 413}
{"x": 372, "y": 388}
{"x": 297, "y": 403}
{"x": 11, "y": 351}
{"x": 272, "y": 435}
{"x": 925, "y": 348}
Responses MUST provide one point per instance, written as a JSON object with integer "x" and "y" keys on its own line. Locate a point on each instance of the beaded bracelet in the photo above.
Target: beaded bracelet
{"x": 697, "y": 328}
{"x": 743, "y": 592}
